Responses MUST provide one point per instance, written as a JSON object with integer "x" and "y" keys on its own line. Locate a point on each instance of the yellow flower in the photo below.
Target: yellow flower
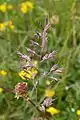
{"x": 2, "y": 26}
{"x": 49, "y": 93}
{"x": 24, "y": 8}
{"x": 1, "y": 90}
{"x": 30, "y": 74}
{"x": 9, "y": 7}
{"x": 52, "y": 110}
{"x": 6, "y": 24}
{"x": 78, "y": 112}
{"x": 12, "y": 27}
{"x": 10, "y": 24}
{"x": 29, "y": 5}
{"x": 3, "y": 7}
{"x": 3, "y": 73}
{"x": 22, "y": 74}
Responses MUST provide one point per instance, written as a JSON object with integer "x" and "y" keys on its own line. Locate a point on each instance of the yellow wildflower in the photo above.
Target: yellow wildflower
{"x": 22, "y": 74}
{"x": 30, "y": 74}
{"x": 78, "y": 112}
{"x": 3, "y": 7}
{"x": 2, "y": 26}
{"x": 24, "y": 8}
{"x": 3, "y": 73}
{"x": 6, "y": 24}
{"x": 11, "y": 25}
{"x": 52, "y": 110}
{"x": 29, "y": 5}
{"x": 1, "y": 90}
{"x": 49, "y": 93}
{"x": 9, "y": 7}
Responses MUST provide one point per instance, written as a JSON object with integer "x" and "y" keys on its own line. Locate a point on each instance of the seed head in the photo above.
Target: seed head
{"x": 21, "y": 89}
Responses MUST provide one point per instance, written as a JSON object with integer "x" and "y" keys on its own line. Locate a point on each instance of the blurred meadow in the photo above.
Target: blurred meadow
{"x": 18, "y": 25}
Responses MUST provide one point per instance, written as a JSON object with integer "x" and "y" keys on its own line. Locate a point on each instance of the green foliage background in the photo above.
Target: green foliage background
{"x": 66, "y": 40}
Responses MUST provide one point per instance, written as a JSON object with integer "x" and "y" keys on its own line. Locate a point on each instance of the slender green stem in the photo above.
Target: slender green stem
{"x": 30, "y": 101}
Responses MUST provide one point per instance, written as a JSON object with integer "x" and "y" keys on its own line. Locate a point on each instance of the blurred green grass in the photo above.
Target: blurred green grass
{"x": 65, "y": 40}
